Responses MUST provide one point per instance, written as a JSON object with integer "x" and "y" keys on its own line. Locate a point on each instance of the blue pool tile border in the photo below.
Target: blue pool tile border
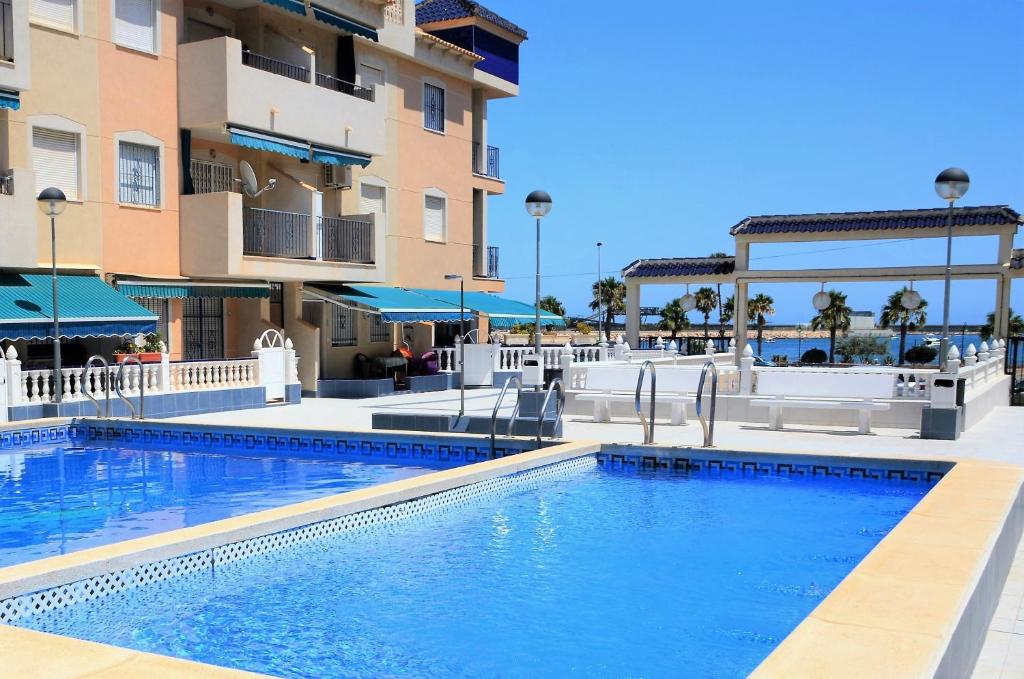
{"x": 31, "y": 436}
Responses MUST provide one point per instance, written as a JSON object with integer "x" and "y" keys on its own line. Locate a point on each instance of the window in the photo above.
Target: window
{"x": 373, "y": 201}
{"x": 203, "y": 322}
{"x": 158, "y": 307}
{"x": 343, "y": 326}
{"x": 6, "y": 31}
{"x": 433, "y": 107}
{"x": 55, "y": 158}
{"x": 434, "y": 218}
{"x": 138, "y": 174}
{"x": 379, "y": 330}
{"x": 60, "y": 13}
{"x": 135, "y": 24}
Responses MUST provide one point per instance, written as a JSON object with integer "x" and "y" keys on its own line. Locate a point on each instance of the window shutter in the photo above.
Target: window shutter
{"x": 433, "y": 218}
{"x": 371, "y": 200}
{"x": 55, "y": 159}
{"x": 57, "y": 12}
{"x": 134, "y": 24}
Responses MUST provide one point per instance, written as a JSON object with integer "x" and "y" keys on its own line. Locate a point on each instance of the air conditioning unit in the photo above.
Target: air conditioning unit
{"x": 337, "y": 176}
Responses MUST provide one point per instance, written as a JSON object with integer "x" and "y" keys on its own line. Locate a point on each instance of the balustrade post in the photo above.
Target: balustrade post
{"x": 747, "y": 370}
{"x": 565, "y": 360}
{"x": 496, "y": 353}
{"x": 15, "y": 382}
{"x": 983, "y": 352}
{"x": 970, "y": 355}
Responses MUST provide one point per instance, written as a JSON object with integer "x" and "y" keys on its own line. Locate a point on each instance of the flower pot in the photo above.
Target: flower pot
{"x": 143, "y": 356}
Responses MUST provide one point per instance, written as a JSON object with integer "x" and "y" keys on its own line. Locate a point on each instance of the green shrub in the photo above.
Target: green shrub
{"x": 814, "y": 356}
{"x": 920, "y": 354}
{"x": 583, "y": 329}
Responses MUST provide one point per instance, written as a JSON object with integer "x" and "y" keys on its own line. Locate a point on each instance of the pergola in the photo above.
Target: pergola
{"x": 999, "y": 220}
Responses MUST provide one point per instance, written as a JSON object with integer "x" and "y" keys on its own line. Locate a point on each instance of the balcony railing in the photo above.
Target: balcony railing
{"x": 272, "y": 233}
{"x": 347, "y": 240}
{"x": 332, "y": 83}
{"x": 7, "y": 184}
{"x": 275, "y": 66}
{"x": 301, "y": 73}
{"x": 210, "y": 177}
{"x": 486, "y": 164}
{"x": 485, "y": 261}
{"x": 6, "y": 31}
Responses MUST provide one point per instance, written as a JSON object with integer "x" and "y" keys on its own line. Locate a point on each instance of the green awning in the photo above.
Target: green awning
{"x": 345, "y": 24}
{"x": 183, "y": 289}
{"x": 502, "y": 313}
{"x": 396, "y": 305}
{"x": 87, "y": 307}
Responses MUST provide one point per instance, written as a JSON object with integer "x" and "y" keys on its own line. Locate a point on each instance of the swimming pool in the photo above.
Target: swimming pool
{"x": 576, "y": 568}
{"x": 65, "y": 498}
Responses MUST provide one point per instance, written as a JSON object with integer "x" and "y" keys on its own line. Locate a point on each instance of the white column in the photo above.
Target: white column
{"x": 739, "y": 318}
{"x": 13, "y": 369}
{"x": 316, "y": 212}
{"x": 632, "y": 313}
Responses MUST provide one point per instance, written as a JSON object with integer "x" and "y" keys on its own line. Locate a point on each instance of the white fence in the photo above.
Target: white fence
{"x": 508, "y": 359}
{"x": 163, "y": 377}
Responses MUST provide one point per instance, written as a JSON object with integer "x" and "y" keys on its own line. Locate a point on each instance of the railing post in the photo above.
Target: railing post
{"x": 14, "y": 378}
{"x": 316, "y": 231}
{"x": 983, "y": 352}
{"x": 970, "y": 355}
{"x": 747, "y": 370}
{"x": 565, "y": 360}
{"x": 291, "y": 364}
{"x": 496, "y": 353}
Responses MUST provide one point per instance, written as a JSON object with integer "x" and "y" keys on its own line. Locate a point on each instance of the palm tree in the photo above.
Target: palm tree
{"x": 673, "y": 318}
{"x": 760, "y": 306}
{"x": 551, "y": 303}
{"x": 728, "y": 309}
{"x": 894, "y": 314}
{"x": 613, "y": 299}
{"x": 834, "y": 317}
{"x": 1016, "y": 326}
{"x": 707, "y": 300}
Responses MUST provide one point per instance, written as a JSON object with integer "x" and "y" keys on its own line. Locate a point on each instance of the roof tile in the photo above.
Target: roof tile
{"x": 430, "y": 11}
{"x": 884, "y": 220}
{"x": 681, "y": 266}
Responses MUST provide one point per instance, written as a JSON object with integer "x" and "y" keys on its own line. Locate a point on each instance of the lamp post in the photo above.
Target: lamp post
{"x": 538, "y": 205}
{"x": 462, "y": 340}
{"x": 600, "y": 326}
{"x": 52, "y": 202}
{"x": 951, "y": 184}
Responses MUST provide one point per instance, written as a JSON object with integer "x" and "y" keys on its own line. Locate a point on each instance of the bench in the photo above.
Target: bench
{"x": 822, "y": 389}
{"x": 606, "y": 385}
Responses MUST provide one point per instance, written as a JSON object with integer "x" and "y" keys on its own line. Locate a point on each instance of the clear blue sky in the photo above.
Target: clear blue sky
{"x": 656, "y": 128}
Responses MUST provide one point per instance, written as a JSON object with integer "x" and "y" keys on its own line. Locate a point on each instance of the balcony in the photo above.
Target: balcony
{"x": 273, "y": 233}
{"x": 486, "y": 164}
{"x": 220, "y": 84}
{"x": 485, "y": 261}
{"x": 221, "y": 237}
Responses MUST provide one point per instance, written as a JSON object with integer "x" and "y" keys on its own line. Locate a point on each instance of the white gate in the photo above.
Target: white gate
{"x": 269, "y": 349}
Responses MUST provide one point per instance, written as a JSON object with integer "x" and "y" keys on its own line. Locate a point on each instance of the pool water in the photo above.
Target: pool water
{"x": 63, "y": 499}
{"x": 597, "y": 574}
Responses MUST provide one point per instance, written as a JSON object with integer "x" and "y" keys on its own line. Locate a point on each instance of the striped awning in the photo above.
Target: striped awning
{"x": 10, "y": 100}
{"x": 502, "y": 313}
{"x": 396, "y": 305}
{"x": 87, "y": 307}
{"x": 322, "y": 154}
{"x": 345, "y": 24}
{"x": 186, "y": 289}
{"x": 262, "y": 141}
{"x": 297, "y": 6}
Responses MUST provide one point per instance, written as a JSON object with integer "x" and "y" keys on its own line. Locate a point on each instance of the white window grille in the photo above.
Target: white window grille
{"x": 138, "y": 174}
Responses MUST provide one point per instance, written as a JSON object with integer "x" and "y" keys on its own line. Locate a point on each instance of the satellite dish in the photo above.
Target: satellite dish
{"x": 250, "y": 186}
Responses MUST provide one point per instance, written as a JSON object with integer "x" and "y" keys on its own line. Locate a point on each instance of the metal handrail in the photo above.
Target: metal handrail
{"x": 497, "y": 406}
{"x": 105, "y": 381}
{"x": 141, "y": 412}
{"x": 648, "y": 426}
{"x": 709, "y": 430}
{"x": 559, "y": 408}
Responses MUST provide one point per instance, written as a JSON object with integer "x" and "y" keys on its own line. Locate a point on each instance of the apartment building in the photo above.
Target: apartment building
{"x": 237, "y": 165}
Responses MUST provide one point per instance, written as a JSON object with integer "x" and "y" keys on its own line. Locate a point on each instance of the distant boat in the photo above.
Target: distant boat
{"x": 931, "y": 341}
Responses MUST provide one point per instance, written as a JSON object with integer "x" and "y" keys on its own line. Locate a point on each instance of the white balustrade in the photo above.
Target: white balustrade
{"x": 202, "y": 375}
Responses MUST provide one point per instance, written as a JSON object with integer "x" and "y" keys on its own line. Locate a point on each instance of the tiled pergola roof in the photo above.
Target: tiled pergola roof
{"x": 431, "y": 11}
{"x": 680, "y": 266}
{"x": 884, "y": 220}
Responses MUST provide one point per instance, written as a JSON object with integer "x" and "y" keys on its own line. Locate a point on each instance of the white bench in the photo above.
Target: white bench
{"x": 824, "y": 389}
{"x": 606, "y": 385}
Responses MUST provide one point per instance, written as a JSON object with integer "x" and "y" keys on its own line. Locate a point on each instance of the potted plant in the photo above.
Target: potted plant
{"x": 147, "y": 348}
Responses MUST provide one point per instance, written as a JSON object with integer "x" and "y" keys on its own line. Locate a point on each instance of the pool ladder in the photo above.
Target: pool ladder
{"x": 708, "y": 427}
{"x": 560, "y": 408}
{"x": 648, "y": 425}
{"x": 104, "y": 378}
{"x": 141, "y": 412}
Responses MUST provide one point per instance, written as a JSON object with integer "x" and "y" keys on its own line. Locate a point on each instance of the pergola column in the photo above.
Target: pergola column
{"x": 633, "y": 314}
{"x": 739, "y": 319}
{"x": 1001, "y": 324}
